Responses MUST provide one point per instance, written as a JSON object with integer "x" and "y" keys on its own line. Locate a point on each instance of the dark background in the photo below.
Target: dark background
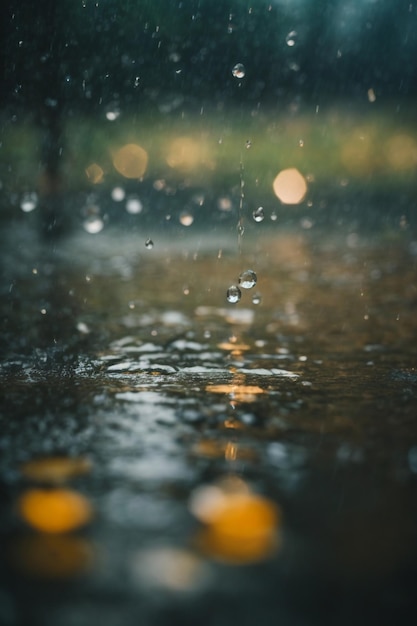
{"x": 84, "y": 55}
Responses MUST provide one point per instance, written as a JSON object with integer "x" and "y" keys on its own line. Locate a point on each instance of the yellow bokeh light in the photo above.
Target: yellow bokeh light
{"x": 187, "y": 154}
{"x": 401, "y": 152}
{"x": 95, "y": 173}
{"x": 290, "y": 186}
{"x": 54, "y": 510}
{"x": 358, "y": 152}
{"x": 55, "y": 469}
{"x": 240, "y": 528}
{"x": 131, "y": 161}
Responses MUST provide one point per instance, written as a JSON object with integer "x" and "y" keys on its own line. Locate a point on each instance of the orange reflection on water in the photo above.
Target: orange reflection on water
{"x": 240, "y": 526}
{"x": 52, "y": 556}
{"x": 237, "y": 392}
{"x": 54, "y": 510}
{"x": 55, "y": 469}
{"x": 131, "y": 161}
{"x": 216, "y": 449}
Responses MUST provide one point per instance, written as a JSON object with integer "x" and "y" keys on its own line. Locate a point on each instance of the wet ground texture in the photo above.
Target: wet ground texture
{"x": 168, "y": 457}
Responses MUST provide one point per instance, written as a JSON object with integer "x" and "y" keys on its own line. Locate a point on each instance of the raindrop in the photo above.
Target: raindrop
{"x": 247, "y": 279}
{"x": 256, "y": 298}
{"x": 29, "y": 202}
{"x": 291, "y": 38}
{"x": 111, "y": 116}
{"x": 240, "y": 229}
{"x": 239, "y": 70}
{"x": 186, "y": 218}
{"x": 134, "y": 206}
{"x": 118, "y": 194}
{"x": 274, "y": 216}
{"x": 248, "y": 144}
{"x": 258, "y": 214}
{"x": 149, "y": 244}
{"x": 224, "y": 204}
{"x": 233, "y": 294}
{"x": 93, "y": 224}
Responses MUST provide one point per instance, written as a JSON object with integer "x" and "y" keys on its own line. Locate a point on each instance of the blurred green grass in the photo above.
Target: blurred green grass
{"x": 334, "y": 146}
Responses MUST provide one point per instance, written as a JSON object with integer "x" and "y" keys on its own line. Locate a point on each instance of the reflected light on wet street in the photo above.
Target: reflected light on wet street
{"x": 240, "y": 527}
{"x": 54, "y": 510}
{"x": 55, "y": 470}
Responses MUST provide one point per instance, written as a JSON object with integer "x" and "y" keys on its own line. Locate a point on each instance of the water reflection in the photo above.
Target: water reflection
{"x": 55, "y": 469}
{"x": 54, "y": 511}
{"x": 240, "y": 527}
{"x": 52, "y": 556}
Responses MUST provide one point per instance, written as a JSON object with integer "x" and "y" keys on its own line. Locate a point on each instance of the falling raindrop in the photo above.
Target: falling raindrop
{"x": 134, "y": 206}
{"x": 274, "y": 216}
{"x": 149, "y": 244}
{"x": 186, "y": 218}
{"x": 233, "y": 294}
{"x": 239, "y": 70}
{"x": 291, "y": 38}
{"x": 248, "y": 144}
{"x": 240, "y": 229}
{"x": 256, "y": 298}
{"x": 118, "y": 194}
{"x": 247, "y": 279}
{"x": 29, "y": 202}
{"x": 93, "y": 224}
{"x": 258, "y": 214}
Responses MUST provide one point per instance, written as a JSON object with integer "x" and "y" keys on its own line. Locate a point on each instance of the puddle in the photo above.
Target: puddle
{"x": 306, "y": 400}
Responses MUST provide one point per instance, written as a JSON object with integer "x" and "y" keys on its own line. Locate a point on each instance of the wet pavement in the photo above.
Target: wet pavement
{"x": 168, "y": 457}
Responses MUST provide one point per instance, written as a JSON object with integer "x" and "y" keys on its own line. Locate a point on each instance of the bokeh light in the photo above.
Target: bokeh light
{"x": 187, "y": 154}
{"x": 55, "y": 469}
{"x": 131, "y": 161}
{"x": 401, "y": 152}
{"x": 290, "y": 186}
{"x": 240, "y": 527}
{"x": 95, "y": 173}
{"x": 54, "y": 510}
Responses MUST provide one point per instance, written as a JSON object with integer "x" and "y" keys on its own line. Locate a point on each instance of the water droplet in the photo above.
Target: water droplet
{"x": 258, "y": 214}
{"x": 149, "y": 244}
{"x": 239, "y": 70}
{"x": 224, "y": 204}
{"x": 134, "y": 206}
{"x": 274, "y": 216}
{"x": 118, "y": 194}
{"x": 29, "y": 202}
{"x": 233, "y": 294}
{"x": 247, "y": 279}
{"x": 93, "y": 224}
{"x": 248, "y": 144}
{"x": 301, "y": 143}
{"x": 256, "y": 298}
{"x": 112, "y": 115}
{"x": 240, "y": 229}
{"x": 186, "y": 218}
{"x": 291, "y": 38}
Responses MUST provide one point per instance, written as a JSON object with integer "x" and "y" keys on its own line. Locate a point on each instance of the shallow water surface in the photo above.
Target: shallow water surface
{"x": 232, "y": 462}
